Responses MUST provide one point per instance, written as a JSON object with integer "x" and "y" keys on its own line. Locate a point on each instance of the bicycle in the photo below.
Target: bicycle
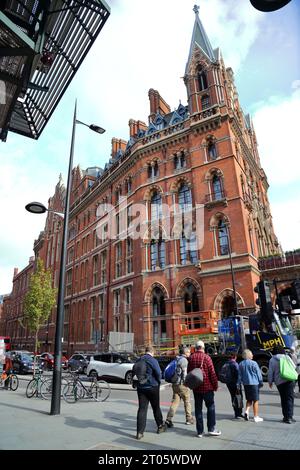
{"x": 76, "y": 390}
{"x": 46, "y": 387}
{"x": 13, "y": 381}
{"x": 34, "y": 385}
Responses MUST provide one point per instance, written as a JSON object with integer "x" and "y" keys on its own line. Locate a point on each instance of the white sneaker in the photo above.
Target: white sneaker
{"x": 200, "y": 435}
{"x": 258, "y": 419}
{"x": 215, "y": 432}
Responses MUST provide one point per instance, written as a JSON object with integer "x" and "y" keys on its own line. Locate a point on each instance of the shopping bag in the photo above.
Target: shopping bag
{"x": 287, "y": 369}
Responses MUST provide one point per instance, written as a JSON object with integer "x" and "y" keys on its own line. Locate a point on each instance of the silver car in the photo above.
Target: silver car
{"x": 116, "y": 366}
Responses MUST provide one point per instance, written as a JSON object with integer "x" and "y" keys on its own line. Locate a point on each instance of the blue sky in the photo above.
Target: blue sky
{"x": 145, "y": 45}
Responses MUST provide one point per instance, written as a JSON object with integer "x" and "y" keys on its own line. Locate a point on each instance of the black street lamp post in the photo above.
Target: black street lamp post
{"x": 236, "y": 312}
{"x": 38, "y": 209}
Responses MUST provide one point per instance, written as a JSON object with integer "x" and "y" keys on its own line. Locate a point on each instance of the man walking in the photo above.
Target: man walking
{"x": 205, "y": 391}
{"x": 148, "y": 391}
{"x": 285, "y": 387}
{"x": 180, "y": 391}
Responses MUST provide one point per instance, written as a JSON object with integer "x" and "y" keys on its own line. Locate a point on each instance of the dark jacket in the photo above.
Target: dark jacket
{"x": 234, "y": 368}
{"x": 153, "y": 372}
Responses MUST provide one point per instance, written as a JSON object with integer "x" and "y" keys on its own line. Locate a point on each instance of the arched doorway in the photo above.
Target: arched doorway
{"x": 227, "y": 306}
{"x": 224, "y": 302}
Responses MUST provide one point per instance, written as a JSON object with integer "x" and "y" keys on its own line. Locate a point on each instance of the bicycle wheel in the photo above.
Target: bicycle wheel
{"x": 73, "y": 392}
{"x": 32, "y": 388}
{"x": 100, "y": 391}
{"x": 13, "y": 382}
{"x": 46, "y": 388}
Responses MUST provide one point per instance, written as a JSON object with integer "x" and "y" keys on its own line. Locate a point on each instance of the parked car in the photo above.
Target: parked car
{"x": 79, "y": 362}
{"x": 47, "y": 361}
{"x": 22, "y": 361}
{"x": 116, "y": 366}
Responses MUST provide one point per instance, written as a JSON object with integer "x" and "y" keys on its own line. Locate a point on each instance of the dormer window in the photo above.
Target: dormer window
{"x": 202, "y": 79}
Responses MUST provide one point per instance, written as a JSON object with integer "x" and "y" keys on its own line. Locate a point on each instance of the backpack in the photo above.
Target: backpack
{"x": 140, "y": 371}
{"x": 287, "y": 369}
{"x": 170, "y": 373}
{"x": 225, "y": 374}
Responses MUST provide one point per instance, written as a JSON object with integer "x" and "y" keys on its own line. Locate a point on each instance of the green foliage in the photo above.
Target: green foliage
{"x": 39, "y": 300}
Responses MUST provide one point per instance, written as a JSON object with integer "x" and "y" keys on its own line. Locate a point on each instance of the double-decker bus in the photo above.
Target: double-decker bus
{"x": 7, "y": 342}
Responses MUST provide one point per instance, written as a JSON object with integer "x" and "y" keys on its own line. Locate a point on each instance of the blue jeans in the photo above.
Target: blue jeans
{"x": 208, "y": 399}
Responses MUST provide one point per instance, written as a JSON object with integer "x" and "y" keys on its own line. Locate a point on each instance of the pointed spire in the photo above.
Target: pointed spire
{"x": 200, "y": 40}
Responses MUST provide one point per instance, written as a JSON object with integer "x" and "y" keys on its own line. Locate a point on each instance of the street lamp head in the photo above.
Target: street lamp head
{"x": 97, "y": 129}
{"x": 36, "y": 208}
{"x": 269, "y": 5}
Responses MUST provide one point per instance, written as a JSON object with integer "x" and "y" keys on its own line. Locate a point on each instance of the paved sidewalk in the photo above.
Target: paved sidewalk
{"x": 26, "y": 424}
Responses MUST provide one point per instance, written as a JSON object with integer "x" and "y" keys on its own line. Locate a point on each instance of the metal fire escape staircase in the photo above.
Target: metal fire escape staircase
{"x": 42, "y": 45}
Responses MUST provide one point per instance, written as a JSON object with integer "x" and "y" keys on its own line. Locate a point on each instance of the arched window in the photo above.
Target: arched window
{"x": 153, "y": 171}
{"x": 191, "y": 302}
{"x": 202, "y": 79}
{"x": 223, "y": 238}
{"x": 185, "y": 198}
{"x": 179, "y": 161}
{"x": 217, "y": 190}
{"x": 212, "y": 150}
{"x": 156, "y": 206}
{"x": 158, "y": 302}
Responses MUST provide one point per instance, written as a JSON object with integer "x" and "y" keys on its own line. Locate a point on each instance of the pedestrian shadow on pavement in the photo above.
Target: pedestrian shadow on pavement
{"x": 125, "y": 438}
{"x": 26, "y": 408}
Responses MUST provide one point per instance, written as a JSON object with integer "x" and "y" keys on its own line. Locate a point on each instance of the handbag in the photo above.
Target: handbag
{"x": 195, "y": 377}
{"x": 287, "y": 369}
{"x": 238, "y": 401}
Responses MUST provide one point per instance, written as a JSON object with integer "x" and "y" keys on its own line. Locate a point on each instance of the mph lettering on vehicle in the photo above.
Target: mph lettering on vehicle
{"x": 150, "y": 459}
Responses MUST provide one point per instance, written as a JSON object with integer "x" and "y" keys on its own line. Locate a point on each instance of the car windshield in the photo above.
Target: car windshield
{"x": 26, "y": 357}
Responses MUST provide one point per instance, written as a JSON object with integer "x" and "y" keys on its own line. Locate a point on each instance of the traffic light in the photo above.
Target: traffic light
{"x": 296, "y": 293}
{"x": 269, "y": 5}
{"x": 264, "y": 301}
{"x": 284, "y": 303}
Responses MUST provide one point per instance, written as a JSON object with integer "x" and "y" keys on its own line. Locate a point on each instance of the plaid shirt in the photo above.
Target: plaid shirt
{"x": 210, "y": 378}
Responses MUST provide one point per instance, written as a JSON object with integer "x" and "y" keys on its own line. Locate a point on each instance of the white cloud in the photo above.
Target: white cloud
{"x": 276, "y": 123}
{"x": 286, "y": 218}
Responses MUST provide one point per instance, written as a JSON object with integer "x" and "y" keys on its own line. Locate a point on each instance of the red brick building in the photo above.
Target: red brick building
{"x": 204, "y": 153}
{"x": 198, "y": 163}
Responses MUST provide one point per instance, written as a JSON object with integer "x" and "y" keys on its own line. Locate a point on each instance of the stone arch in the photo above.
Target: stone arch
{"x": 149, "y": 192}
{"x": 212, "y": 172}
{"x": 147, "y": 296}
{"x": 215, "y": 219}
{"x": 182, "y": 285}
{"x": 224, "y": 294}
{"x": 178, "y": 182}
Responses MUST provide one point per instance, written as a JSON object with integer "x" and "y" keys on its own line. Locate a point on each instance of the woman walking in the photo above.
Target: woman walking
{"x": 250, "y": 376}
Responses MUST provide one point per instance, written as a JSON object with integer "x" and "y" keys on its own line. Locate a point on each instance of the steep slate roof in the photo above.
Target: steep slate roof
{"x": 200, "y": 40}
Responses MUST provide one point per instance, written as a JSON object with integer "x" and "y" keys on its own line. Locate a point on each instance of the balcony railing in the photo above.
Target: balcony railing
{"x": 215, "y": 198}
{"x": 274, "y": 262}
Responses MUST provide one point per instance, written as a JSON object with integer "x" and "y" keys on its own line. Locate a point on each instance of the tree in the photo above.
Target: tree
{"x": 39, "y": 300}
